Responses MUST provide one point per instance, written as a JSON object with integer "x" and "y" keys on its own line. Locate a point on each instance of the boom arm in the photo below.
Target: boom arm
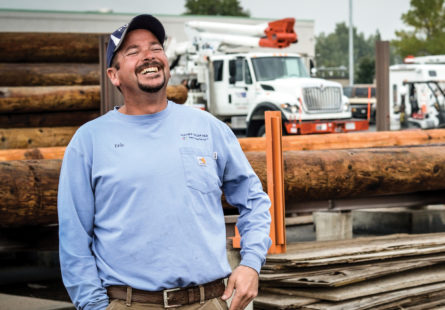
{"x": 276, "y": 34}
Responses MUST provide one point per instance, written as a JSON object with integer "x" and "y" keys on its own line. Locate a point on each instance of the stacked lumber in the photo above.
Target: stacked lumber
{"x": 389, "y": 272}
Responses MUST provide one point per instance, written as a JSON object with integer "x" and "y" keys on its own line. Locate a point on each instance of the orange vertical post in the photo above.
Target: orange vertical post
{"x": 275, "y": 181}
{"x": 369, "y": 103}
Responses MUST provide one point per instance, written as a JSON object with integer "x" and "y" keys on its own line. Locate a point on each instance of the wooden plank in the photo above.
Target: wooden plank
{"x": 403, "y": 280}
{"x": 337, "y": 248}
{"x": 274, "y": 301}
{"x": 350, "y": 140}
{"x": 418, "y": 302}
{"x": 367, "y": 257}
{"x": 374, "y": 301}
{"x": 346, "y": 274}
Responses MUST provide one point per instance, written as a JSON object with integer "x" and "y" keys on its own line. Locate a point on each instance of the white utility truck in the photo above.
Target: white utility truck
{"x": 227, "y": 76}
{"x": 417, "y": 97}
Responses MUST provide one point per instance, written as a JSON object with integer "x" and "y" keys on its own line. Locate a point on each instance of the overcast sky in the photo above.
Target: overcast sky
{"x": 368, "y": 15}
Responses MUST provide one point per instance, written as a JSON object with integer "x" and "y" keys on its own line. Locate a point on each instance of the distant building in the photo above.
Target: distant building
{"x": 105, "y": 22}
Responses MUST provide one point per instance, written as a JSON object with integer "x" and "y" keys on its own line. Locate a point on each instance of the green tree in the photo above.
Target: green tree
{"x": 215, "y": 7}
{"x": 365, "y": 70}
{"x": 427, "y": 19}
{"x": 332, "y": 50}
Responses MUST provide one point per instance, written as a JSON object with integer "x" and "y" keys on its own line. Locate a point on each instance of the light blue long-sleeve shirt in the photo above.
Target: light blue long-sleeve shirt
{"x": 140, "y": 204}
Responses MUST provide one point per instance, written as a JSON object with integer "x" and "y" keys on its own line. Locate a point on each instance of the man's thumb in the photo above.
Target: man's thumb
{"x": 229, "y": 289}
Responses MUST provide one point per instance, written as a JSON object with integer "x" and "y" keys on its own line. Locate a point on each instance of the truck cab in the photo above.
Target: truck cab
{"x": 228, "y": 77}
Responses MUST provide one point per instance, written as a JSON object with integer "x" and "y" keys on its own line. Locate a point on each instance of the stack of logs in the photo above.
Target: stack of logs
{"x": 390, "y": 272}
{"x": 28, "y": 188}
{"x": 49, "y": 86}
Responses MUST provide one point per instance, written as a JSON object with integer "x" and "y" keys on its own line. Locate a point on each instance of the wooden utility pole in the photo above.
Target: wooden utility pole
{"x": 382, "y": 83}
{"x": 109, "y": 95}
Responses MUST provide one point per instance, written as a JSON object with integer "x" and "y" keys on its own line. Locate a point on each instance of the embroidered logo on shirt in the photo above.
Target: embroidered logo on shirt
{"x": 202, "y": 161}
{"x": 195, "y": 136}
{"x": 118, "y": 145}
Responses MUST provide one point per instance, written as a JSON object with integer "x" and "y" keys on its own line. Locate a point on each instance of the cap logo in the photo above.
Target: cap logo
{"x": 122, "y": 27}
{"x": 115, "y": 40}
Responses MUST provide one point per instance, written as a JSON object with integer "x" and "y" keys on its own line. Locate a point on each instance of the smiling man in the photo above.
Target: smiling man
{"x": 140, "y": 215}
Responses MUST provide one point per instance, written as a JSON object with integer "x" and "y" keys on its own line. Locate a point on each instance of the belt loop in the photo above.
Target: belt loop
{"x": 129, "y": 296}
{"x": 201, "y": 294}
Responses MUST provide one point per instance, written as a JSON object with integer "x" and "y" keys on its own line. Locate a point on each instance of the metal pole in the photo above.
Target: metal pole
{"x": 351, "y": 46}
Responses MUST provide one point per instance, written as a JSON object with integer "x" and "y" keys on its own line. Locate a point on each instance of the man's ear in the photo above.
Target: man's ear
{"x": 113, "y": 76}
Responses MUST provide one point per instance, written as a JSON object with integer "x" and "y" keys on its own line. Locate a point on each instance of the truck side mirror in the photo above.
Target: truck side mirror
{"x": 312, "y": 69}
{"x": 232, "y": 71}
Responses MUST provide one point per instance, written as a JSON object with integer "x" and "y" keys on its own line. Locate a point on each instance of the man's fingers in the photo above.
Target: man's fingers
{"x": 241, "y": 300}
{"x": 228, "y": 292}
{"x": 236, "y": 303}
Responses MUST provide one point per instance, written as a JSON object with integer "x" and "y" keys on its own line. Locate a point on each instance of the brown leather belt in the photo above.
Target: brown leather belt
{"x": 169, "y": 298}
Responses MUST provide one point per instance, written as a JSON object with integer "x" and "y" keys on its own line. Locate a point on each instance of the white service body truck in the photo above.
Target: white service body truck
{"x": 417, "y": 96}
{"x": 238, "y": 87}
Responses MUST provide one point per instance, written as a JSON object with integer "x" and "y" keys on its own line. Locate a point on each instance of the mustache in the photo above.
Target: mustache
{"x": 147, "y": 65}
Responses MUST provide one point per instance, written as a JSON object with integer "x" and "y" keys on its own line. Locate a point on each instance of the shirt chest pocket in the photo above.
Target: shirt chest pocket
{"x": 200, "y": 170}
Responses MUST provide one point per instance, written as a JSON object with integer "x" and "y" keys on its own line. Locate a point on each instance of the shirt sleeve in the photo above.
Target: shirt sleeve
{"x": 242, "y": 189}
{"x": 76, "y": 220}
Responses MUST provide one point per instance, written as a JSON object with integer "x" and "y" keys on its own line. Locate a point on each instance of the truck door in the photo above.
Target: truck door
{"x": 237, "y": 90}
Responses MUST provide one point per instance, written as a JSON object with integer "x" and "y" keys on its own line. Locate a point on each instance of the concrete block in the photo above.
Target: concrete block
{"x": 384, "y": 221}
{"x": 381, "y": 221}
{"x": 333, "y": 225}
{"x": 428, "y": 220}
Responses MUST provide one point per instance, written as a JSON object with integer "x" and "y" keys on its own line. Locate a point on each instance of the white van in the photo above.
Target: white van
{"x": 416, "y": 93}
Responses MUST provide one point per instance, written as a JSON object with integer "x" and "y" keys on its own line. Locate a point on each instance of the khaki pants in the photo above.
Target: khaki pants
{"x": 211, "y": 304}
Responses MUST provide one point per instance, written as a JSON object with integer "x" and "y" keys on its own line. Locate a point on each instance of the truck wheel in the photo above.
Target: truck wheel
{"x": 262, "y": 131}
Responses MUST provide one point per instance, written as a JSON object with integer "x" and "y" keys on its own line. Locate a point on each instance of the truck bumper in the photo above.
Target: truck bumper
{"x": 328, "y": 126}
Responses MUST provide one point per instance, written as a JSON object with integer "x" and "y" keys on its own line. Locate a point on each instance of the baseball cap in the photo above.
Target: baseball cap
{"x": 143, "y": 21}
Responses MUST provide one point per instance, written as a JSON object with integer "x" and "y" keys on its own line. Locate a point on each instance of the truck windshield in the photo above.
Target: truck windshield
{"x": 271, "y": 68}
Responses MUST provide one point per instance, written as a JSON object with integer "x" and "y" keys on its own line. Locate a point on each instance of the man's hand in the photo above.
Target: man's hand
{"x": 244, "y": 280}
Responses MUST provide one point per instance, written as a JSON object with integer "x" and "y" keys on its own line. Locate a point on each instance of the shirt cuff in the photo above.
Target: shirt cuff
{"x": 101, "y": 305}
{"x": 252, "y": 261}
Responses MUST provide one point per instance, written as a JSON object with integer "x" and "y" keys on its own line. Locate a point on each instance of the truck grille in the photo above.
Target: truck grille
{"x": 327, "y": 99}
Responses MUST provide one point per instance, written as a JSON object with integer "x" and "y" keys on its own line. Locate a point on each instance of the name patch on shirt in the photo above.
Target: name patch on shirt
{"x": 195, "y": 136}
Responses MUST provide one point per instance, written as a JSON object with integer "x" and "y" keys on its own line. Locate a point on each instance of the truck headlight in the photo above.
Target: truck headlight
{"x": 290, "y": 107}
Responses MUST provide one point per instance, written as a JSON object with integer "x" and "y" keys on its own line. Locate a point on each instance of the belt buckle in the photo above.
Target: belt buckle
{"x": 165, "y": 297}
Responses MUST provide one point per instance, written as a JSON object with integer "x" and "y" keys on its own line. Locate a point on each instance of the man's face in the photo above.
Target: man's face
{"x": 142, "y": 62}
